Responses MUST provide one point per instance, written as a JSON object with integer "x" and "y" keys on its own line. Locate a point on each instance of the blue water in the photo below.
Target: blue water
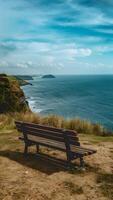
{"x": 87, "y": 97}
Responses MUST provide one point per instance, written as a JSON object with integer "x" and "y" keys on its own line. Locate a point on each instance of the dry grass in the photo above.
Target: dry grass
{"x": 36, "y": 179}
{"x": 105, "y": 182}
{"x": 6, "y": 122}
{"x": 72, "y": 187}
{"x": 32, "y": 178}
{"x": 81, "y": 126}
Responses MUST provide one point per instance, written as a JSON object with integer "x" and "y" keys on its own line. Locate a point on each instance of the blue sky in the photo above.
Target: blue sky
{"x": 60, "y": 36}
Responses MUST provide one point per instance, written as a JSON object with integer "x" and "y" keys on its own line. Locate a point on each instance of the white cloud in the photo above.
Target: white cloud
{"x": 45, "y": 56}
{"x": 103, "y": 49}
{"x": 24, "y": 64}
{"x": 84, "y": 52}
{"x": 73, "y": 53}
{"x": 3, "y": 63}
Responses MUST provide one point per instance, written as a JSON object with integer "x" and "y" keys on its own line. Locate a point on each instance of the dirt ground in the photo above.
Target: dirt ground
{"x": 34, "y": 178}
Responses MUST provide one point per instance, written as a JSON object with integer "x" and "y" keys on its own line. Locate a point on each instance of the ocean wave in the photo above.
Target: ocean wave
{"x": 37, "y": 110}
{"x": 32, "y": 105}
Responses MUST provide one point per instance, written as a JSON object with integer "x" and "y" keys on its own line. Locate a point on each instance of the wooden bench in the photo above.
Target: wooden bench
{"x": 59, "y": 139}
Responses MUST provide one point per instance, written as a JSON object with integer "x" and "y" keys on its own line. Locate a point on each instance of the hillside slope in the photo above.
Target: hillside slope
{"x": 12, "y": 98}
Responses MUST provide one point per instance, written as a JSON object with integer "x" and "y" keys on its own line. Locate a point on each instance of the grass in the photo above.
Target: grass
{"x": 94, "y": 139}
{"x": 17, "y": 174}
{"x": 73, "y": 189}
{"x": 6, "y": 122}
{"x": 81, "y": 126}
{"x": 105, "y": 182}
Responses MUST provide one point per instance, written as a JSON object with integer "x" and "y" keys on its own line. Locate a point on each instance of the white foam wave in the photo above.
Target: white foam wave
{"x": 32, "y": 105}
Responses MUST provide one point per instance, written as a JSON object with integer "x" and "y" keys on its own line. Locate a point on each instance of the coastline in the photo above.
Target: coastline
{"x": 63, "y": 96}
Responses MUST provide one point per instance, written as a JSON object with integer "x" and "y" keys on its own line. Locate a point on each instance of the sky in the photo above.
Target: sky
{"x": 56, "y": 36}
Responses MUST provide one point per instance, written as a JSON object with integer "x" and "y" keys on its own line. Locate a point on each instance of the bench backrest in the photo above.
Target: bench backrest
{"x": 31, "y": 131}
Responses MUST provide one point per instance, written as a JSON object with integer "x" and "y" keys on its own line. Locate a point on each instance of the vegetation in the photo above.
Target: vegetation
{"x": 73, "y": 189}
{"x": 105, "y": 182}
{"x": 12, "y": 98}
{"x": 81, "y": 126}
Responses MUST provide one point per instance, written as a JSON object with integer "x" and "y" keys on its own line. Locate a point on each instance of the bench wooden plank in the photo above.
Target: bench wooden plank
{"x": 57, "y": 145}
{"x": 45, "y": 140}
{"x": 41, "y": 134}
{"x": 39, "y": 131}
{"x": 51, "y": 135}
{"x": 58, "y": 130}
{"x": 60, "y": 146}
{"x": 73, "y": 147}
{"x": 48, "y": 134}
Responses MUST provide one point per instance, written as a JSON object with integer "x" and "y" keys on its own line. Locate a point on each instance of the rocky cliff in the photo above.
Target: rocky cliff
{"x": 12, "y": 98}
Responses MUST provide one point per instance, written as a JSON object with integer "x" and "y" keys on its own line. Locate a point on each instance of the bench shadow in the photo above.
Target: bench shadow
{"x": 42, "y": 162}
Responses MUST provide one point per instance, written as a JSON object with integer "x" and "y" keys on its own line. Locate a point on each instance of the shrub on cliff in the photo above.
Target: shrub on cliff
{"x": 12, "y": 98}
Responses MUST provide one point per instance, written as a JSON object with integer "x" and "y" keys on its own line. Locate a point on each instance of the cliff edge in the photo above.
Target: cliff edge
{"x": 12, "y": 98}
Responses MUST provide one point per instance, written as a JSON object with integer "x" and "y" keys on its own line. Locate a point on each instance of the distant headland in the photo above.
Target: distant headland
{"x": 23, "y": 79}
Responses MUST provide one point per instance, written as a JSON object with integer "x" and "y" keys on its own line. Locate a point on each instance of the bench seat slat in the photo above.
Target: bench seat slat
{"x": 90, "y": 151}
{"x": 59, "y": 145}
{"x": 55, "y": 146}
{"x": 45, "y": 140}
{"x": 81, "y": 151}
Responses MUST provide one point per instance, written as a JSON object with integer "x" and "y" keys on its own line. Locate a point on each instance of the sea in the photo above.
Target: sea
{"x": 88, "y": 97}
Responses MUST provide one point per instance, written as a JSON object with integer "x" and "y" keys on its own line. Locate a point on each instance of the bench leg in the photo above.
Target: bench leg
{"x": 37, "y": 148}
{"x": 82, "y": 163}
{"x": 26, "y": 149}
{"x": 68, "y": 160}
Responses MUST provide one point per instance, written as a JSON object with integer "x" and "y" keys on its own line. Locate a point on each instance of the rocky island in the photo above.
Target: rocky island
{"x": 48, "y": 76}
